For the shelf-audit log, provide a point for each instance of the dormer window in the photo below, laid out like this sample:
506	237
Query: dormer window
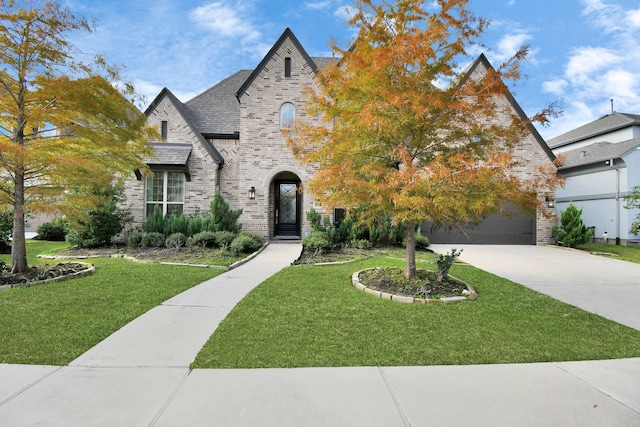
287	115
287	67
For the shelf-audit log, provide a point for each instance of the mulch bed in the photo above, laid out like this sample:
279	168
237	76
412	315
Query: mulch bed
41	272
423	285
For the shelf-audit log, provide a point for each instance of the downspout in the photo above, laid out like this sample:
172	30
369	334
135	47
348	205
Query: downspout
618	205
617	169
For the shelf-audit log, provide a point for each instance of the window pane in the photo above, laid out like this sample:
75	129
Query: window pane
287	115
155	186
150	207
175	187
174	209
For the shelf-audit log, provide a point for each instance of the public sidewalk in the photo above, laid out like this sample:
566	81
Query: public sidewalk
140	377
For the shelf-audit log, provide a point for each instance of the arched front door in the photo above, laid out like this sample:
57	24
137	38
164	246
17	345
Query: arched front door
287	208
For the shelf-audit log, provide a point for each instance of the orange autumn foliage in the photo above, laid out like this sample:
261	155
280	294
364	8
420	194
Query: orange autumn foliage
406	134
64	125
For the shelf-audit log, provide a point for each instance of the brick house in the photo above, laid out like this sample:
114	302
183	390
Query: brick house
230	137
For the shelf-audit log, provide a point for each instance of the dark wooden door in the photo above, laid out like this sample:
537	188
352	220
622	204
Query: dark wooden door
287	213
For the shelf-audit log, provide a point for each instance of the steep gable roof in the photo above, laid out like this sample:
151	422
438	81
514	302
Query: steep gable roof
482	60
180	108
288	34
606	124
597	152
217	110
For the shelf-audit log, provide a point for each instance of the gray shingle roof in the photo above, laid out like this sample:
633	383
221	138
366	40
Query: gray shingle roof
217	110
186	115
322	61
597	152
603	125
169	154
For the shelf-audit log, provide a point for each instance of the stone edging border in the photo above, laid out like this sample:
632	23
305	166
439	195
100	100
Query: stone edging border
90	270
355	280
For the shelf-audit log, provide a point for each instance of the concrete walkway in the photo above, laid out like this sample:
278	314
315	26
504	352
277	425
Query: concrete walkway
140	377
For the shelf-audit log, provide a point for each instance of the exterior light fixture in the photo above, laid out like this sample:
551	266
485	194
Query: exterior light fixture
252	193
551	203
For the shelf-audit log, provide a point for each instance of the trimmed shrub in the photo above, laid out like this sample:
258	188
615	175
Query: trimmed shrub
175	224
224	219
422	242
203	239
155	221
362	244
444	263
6	225
134	240
246	242
54	231
315	219
572	231
317	242
99	226
195	224
153	239
176	240
223	239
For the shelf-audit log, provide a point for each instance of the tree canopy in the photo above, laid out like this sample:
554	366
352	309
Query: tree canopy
64	123
406	132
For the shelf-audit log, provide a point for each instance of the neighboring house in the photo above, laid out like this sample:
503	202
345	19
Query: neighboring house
601	164
230	137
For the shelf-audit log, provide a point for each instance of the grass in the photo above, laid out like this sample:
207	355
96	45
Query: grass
311	316
55	323
626	253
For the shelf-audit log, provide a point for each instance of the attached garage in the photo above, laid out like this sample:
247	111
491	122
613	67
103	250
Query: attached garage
517	229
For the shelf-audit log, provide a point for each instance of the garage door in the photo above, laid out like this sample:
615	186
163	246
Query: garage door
517	229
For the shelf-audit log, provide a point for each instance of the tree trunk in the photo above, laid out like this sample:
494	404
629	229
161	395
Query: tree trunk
18	245
410	260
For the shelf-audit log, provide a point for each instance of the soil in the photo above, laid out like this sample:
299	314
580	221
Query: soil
423	285
41	272
186	255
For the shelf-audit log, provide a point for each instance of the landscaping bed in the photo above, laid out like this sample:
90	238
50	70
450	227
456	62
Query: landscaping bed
208	256
41	272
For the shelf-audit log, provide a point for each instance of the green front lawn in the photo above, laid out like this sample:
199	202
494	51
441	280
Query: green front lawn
55	323
626	253
311	316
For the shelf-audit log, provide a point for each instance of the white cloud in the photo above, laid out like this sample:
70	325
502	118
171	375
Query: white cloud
556	86
508	45
587	60
345	12
225	20
600	71
633	19
319	5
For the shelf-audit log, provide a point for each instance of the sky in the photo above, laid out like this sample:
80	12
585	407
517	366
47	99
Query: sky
583	53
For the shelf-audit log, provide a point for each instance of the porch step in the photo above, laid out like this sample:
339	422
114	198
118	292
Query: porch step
286	239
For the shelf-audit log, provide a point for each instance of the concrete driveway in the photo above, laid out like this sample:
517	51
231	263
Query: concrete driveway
601	285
